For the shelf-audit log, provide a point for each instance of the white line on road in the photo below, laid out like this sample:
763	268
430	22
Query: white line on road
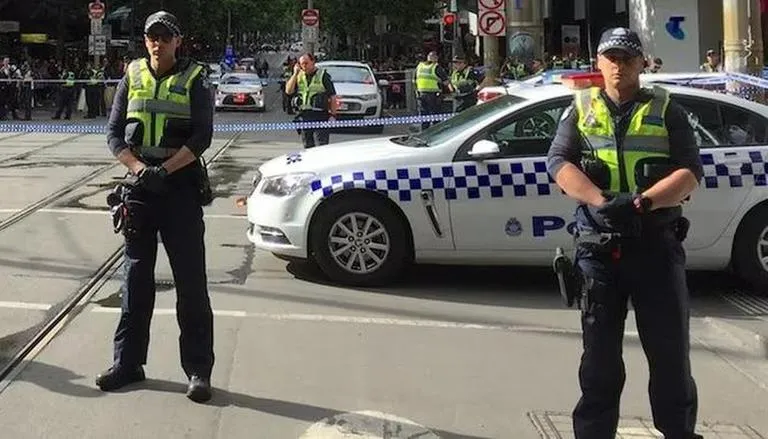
25	305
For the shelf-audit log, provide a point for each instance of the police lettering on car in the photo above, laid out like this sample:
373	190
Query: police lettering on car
161	122
629	157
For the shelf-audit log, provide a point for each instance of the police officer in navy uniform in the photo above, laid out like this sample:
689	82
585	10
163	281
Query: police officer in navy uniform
628	156
161	122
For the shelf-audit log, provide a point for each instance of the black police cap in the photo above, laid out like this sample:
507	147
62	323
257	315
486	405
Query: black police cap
620	38
165	19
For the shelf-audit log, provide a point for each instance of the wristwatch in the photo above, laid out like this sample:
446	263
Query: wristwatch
643	204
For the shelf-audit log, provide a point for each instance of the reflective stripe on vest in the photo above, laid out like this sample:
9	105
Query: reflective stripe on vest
308	91
646	136
153	103
460	77
426	78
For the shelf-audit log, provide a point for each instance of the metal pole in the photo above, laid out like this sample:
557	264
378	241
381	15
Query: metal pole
309	46
229	26
132	43
454	8
588	20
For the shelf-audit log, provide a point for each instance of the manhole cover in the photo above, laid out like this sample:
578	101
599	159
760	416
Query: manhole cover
560	426
367	424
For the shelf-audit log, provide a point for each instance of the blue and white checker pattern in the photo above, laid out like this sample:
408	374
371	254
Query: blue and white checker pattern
751	172
456	181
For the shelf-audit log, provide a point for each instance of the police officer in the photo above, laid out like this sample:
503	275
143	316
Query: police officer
464	81
95	78
430	80
629	157
67	94
317	97
161	122
713	64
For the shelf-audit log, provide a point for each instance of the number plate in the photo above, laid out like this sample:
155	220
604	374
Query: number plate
239	99
343	106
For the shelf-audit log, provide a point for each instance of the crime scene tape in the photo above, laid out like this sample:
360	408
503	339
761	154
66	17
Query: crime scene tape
100	128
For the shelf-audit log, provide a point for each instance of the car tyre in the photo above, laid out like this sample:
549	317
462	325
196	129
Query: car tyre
385	228
750	245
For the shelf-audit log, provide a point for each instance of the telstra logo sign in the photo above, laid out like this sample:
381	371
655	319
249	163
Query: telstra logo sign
675	28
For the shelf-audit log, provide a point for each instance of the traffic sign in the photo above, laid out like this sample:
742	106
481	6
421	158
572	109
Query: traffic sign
310	17
309	34
97	44
96	10
492	24
491	18
96	26
491	4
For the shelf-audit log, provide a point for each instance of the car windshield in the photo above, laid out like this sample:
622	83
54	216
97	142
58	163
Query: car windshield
452	127
241	79
353	74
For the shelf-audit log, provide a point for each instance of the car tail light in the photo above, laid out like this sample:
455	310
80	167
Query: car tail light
488	95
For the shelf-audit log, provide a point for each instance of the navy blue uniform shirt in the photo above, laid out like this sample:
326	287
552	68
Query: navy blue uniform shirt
200	103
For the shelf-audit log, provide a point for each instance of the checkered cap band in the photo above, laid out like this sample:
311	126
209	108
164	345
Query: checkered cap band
620	42
173	27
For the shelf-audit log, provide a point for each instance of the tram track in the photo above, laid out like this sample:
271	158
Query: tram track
24	154
71	306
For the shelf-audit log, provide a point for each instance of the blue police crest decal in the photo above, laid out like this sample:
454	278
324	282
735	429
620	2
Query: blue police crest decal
513	227
293	158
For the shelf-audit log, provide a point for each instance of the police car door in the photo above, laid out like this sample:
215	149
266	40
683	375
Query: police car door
508	201
732	147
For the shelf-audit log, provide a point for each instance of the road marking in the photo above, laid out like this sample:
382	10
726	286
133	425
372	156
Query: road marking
25	305
106	212
367	424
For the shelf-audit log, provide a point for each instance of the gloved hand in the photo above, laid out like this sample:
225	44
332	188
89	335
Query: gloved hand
152	178
619	208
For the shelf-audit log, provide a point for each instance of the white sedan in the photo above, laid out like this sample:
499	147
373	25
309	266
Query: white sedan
240	91
474	189
356	90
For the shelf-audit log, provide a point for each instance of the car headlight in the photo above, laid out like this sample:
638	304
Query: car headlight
256	179
287	184
370	97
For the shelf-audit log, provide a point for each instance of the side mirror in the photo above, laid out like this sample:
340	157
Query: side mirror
484	149
383	83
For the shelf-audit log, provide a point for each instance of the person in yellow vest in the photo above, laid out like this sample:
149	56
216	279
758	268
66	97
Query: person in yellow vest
316	99
713	64
161	123
465	82
629	157
67	93
430	80
92	92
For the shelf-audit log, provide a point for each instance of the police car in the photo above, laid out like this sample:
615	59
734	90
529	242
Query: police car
474	189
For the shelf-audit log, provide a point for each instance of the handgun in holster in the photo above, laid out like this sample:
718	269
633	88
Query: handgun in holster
204	184
569	278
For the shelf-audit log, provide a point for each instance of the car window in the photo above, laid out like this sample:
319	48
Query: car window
354	74
526	133
742	127
718	124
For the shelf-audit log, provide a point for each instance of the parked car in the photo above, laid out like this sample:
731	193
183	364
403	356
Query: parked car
240	91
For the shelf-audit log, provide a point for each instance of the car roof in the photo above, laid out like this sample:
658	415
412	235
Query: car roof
343	64
554	91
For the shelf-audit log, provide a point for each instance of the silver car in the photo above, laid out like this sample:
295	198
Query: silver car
356	89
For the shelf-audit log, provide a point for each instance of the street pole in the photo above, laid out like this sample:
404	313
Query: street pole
491	60
735	24
756	38
309	46
229	26
454	8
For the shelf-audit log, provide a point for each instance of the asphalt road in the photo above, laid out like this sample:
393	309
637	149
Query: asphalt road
452	352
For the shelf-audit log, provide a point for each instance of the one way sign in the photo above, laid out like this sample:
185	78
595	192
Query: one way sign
491	18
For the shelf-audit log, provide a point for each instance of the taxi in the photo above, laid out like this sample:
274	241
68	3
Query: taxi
474	189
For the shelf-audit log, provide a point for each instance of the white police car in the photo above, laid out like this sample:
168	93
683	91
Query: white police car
474	189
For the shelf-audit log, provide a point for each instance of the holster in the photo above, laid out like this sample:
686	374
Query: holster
681	227
204	184
569	278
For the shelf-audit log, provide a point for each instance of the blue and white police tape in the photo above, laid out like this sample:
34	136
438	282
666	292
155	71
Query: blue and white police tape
246	126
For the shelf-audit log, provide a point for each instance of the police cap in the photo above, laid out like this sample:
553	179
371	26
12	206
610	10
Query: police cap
163	19
620	38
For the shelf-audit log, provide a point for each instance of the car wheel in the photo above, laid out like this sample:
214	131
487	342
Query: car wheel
360	241
540	125
750	250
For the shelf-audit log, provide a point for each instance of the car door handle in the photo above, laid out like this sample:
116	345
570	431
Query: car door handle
732	159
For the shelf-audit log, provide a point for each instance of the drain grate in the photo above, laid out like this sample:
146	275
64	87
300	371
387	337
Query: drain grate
749	304
554	425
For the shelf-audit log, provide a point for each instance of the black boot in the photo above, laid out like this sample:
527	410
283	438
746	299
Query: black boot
116	377
199	389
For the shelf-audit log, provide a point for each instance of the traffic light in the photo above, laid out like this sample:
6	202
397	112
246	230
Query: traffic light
449	21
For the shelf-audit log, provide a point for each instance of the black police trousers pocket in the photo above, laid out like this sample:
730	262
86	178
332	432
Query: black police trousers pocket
137	217
599	302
